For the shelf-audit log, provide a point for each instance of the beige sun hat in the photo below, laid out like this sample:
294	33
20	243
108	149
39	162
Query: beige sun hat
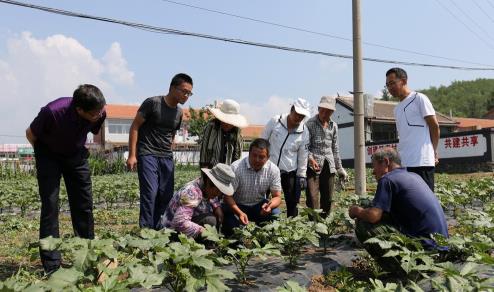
229	112
302	107
328	102
222	177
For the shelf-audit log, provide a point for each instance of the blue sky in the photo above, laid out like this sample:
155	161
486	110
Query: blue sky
44	56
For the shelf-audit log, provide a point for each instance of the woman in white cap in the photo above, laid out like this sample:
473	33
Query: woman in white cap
221	140
196	204
289	139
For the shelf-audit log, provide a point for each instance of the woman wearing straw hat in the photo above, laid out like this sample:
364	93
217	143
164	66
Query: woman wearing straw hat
195	204
221	140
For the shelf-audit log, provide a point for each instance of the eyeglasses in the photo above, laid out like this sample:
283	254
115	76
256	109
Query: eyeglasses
185	92
96	113
392	82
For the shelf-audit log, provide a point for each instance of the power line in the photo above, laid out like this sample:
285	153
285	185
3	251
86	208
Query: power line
319	33
471	19
490	4
464	24
481	9
162	30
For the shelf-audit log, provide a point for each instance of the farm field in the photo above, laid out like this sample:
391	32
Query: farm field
150	259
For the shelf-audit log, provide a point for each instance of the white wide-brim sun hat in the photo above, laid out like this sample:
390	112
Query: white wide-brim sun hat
222	177
229	112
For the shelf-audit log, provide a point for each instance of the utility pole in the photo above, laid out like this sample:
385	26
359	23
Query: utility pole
358	103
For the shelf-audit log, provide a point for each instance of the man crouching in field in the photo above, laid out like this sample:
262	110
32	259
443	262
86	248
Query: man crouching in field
58	135
255	175
403	203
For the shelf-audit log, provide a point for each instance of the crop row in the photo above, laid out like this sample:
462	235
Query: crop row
19	195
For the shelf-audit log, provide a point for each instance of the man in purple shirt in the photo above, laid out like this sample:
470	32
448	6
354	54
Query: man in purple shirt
58	135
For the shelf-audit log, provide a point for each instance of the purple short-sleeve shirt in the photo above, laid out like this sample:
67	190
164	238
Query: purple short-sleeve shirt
59	128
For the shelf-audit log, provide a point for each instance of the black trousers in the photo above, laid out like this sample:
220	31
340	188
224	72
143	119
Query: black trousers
76	174
291	189
426	173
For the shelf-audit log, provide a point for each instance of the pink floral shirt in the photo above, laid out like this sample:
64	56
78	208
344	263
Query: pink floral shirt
185	204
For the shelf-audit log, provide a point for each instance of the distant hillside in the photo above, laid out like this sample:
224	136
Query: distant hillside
471	99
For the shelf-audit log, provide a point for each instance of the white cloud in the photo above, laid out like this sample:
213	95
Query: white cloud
116	66
35	71
259	114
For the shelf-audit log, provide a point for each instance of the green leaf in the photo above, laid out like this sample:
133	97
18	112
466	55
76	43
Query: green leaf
32	288
382	243
392	253
146	276
321	228
83	259
192	283
49	243
210	233
64	278
215	284
468	268
147	233
222	273
414	287
141	244
452	284
203	263
291	286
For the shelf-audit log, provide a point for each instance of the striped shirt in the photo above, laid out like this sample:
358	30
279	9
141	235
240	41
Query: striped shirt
323	144
250	185
218	146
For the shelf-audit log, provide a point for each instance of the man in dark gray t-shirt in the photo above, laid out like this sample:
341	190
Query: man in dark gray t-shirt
150	148
162	122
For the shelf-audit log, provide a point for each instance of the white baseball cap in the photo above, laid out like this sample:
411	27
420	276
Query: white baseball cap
302	107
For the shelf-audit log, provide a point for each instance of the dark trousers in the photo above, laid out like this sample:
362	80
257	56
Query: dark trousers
205	219
291	190
156	180
76	174
320	189
231	221
426	173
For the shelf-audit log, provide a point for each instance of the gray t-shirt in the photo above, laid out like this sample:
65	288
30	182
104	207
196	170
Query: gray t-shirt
161	123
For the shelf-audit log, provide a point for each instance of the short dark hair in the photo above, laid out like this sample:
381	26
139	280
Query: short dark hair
387	152
260	143
181	78
88	97
399	73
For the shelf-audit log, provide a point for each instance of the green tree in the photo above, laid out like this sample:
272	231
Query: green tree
386	96
472	99
198	120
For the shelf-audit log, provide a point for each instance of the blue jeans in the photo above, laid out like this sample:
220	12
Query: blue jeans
156	181
231	221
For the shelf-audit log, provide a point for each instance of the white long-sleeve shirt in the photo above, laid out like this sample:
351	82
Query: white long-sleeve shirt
288	150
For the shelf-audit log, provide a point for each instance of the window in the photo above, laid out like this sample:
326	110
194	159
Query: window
119	126
383	132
